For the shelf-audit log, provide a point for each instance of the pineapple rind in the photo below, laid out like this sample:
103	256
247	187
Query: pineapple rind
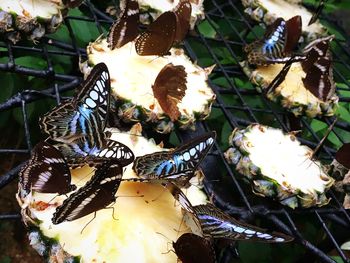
131	83
304	104
139	219
261	11
262	184
18	20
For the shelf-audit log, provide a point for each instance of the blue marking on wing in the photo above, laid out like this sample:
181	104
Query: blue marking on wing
168	165
85	114
73	123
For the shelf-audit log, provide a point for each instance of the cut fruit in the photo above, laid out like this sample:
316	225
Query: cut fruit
268	11
132	77
151	9
291	93
277	166
147	219
31	18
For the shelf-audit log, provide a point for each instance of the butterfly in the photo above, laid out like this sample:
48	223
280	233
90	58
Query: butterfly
73	3
277	44
96	194
169	88
210	222
77	125
217	224
180	162
169	28
125	29
46	172
318	68
191	248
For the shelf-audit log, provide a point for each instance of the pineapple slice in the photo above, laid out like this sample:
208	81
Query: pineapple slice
277	166
146	219
151	9
32	18
291	93
268	11
132	77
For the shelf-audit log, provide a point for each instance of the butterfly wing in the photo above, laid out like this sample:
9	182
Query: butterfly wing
319	70
182	162
191	248
86	114
183	16
125	29
111	150
343	156
217	224
159	36
97	194
46	172
277	43
169	88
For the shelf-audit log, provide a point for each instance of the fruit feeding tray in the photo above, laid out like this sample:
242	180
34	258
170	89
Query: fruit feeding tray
36	76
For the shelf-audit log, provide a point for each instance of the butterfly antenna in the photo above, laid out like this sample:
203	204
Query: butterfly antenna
81	232
320	144
53	198
317	12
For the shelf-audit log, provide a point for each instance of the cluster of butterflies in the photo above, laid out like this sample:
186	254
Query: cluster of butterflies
168	29
278	45
76	137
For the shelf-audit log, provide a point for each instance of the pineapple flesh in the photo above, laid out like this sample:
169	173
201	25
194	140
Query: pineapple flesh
291	93
151	9
32	18
268	11
147	219
277	166
132	77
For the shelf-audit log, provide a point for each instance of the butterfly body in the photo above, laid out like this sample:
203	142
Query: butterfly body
181	162
96	194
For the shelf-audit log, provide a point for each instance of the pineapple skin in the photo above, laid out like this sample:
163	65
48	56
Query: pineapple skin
341	174
265	186
311	110
258	12
15	26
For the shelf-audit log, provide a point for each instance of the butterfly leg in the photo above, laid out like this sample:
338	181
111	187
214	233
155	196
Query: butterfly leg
81	232
112	207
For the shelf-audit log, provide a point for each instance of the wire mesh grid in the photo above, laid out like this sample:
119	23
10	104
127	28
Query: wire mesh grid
233	104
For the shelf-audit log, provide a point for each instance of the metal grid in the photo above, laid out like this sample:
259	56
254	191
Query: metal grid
233	103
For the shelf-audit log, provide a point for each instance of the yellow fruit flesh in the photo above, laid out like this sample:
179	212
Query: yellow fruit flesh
132	77
32	8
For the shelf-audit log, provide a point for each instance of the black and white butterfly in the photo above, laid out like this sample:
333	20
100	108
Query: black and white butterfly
77	125
125	29
343	155
319	69
210	222
96	194
277	44
46	172
180	162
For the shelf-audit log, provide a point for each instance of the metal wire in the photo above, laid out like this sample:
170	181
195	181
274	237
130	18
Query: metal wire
233	196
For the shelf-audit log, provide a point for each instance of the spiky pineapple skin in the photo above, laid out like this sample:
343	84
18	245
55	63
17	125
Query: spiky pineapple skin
131	112
260	13
341	175
263	185
311	110
15	26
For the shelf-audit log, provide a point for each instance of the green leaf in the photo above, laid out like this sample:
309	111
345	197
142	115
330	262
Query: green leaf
207	29
5	259
343	113
254	252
